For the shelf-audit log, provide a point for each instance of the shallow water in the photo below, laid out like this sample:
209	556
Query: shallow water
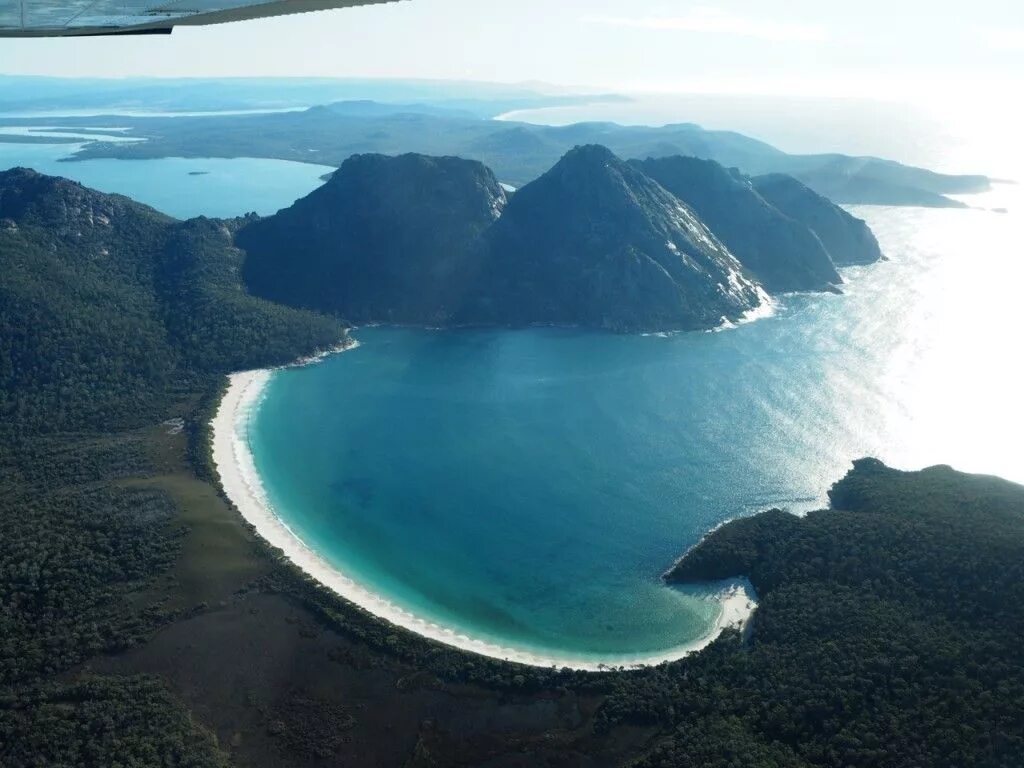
528	487
225	188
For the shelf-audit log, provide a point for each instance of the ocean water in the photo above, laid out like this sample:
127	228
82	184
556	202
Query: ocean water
226	188
528	487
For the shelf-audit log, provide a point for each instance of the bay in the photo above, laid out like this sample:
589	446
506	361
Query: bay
528	487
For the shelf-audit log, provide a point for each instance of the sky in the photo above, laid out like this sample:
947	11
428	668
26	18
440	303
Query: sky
887	48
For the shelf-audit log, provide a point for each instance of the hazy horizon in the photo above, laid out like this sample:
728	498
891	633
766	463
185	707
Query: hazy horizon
640	46
807	79
912	81
950	137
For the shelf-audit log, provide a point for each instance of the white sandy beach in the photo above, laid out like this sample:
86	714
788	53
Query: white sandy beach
241	483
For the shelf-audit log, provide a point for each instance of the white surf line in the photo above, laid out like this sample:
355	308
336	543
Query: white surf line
241	482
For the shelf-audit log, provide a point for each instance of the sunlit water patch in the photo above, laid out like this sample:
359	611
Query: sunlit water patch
528	487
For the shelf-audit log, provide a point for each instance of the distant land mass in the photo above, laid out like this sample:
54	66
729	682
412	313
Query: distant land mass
28	94
517	152
13	138
594	242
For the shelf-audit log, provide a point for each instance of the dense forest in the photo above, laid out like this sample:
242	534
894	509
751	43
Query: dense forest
113	318
142	624
888	632
110	308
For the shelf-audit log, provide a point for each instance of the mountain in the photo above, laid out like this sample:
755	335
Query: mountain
386	239
434	241
110	308
784	254
595	242
848	239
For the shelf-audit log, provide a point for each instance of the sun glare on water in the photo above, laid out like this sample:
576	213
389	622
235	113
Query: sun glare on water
955	376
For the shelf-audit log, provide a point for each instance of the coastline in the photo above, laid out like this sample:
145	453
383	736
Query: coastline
240	481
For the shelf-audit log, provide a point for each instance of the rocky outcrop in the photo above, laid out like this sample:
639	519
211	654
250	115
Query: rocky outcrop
784	254
848	239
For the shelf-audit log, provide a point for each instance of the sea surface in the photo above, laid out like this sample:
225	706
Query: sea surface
528	487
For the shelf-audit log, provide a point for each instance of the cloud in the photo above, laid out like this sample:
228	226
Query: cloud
711	21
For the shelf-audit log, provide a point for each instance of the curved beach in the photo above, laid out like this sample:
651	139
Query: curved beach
241	482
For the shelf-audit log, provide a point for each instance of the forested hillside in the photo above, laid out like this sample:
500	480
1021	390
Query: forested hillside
110	308
434	241
888	633
114	317
386	240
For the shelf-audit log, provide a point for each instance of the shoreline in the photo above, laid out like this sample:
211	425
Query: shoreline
240	481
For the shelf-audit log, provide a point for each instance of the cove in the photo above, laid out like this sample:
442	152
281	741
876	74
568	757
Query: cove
527	487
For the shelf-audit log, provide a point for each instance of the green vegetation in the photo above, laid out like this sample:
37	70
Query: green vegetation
78	550
103	722
888	634
114	317
111	310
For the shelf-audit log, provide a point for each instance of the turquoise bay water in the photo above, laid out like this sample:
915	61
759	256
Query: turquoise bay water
528	487
226	188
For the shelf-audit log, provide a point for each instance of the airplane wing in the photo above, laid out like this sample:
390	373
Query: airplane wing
59	18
